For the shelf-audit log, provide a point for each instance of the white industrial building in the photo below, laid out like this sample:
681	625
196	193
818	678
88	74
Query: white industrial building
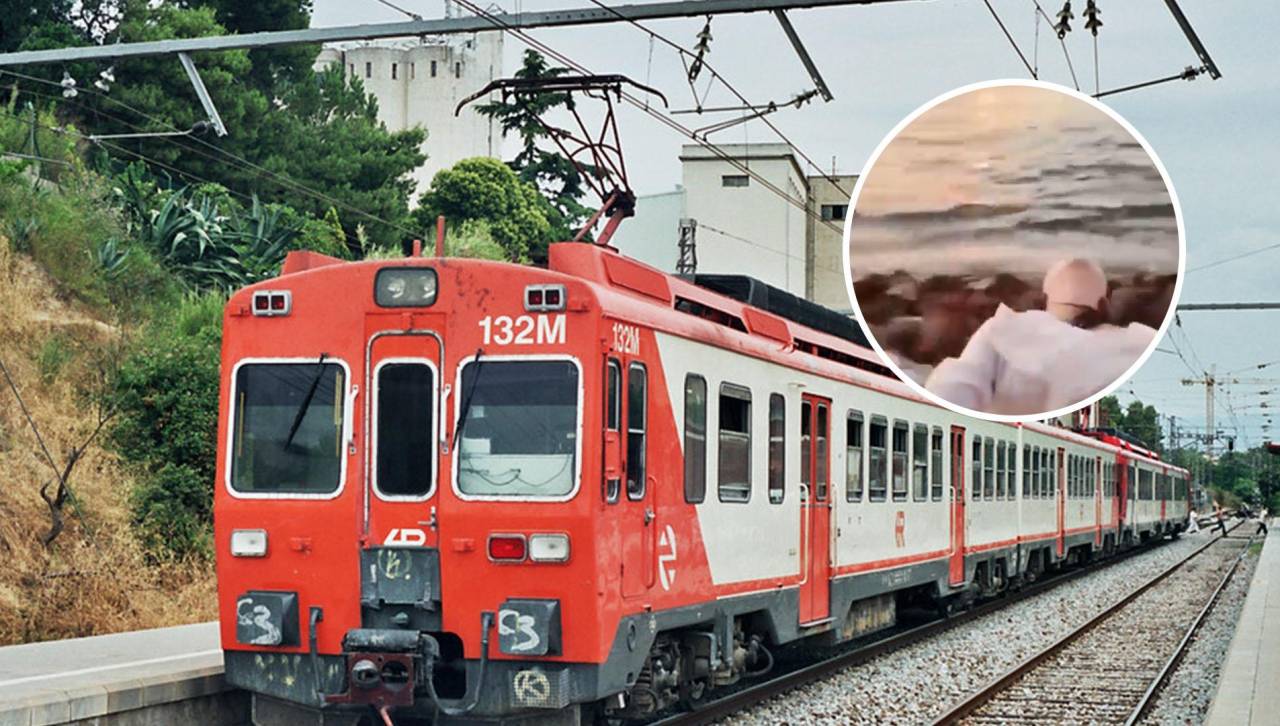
745	227
420	82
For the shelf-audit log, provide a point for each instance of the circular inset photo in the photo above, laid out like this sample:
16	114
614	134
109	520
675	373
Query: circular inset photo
1014	250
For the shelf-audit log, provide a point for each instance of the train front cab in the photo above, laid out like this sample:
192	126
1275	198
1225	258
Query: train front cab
369	555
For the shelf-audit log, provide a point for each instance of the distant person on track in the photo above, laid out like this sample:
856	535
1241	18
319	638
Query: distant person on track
1221	524
1262	523
1043	360
1193	523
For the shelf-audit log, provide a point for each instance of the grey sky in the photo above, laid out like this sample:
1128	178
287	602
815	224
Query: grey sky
1218	139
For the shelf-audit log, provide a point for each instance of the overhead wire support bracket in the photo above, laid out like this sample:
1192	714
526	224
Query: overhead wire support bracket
801	51
1193	39
203	94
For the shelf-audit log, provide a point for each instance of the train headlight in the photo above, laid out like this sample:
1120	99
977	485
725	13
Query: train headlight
249	543
402	287
549	547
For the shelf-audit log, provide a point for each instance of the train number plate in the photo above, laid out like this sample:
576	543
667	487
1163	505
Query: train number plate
523	330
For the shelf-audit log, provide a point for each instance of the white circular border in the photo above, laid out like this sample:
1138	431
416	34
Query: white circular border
1177	214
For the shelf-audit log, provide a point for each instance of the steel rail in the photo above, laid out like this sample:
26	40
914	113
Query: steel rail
1157	685
976	700
731	703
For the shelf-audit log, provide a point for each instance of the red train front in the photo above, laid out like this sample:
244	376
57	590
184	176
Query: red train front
374	552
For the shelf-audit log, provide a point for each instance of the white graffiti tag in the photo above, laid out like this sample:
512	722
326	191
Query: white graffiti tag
667	558
511	622
260	616
531	687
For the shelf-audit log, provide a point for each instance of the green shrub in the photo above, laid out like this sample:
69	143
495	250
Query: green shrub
54	355
166	392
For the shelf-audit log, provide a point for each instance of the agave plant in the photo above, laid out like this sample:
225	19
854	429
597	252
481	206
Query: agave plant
111	258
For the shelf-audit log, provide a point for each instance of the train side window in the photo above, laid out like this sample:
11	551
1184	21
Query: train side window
878	473
777	447
404	462
695	438
975	482
1000	471
1026	471
274	400
900	438
613	388
853	457
988	469
936	457
920	463
637	401
822	449
1011	470
733	466
1052	493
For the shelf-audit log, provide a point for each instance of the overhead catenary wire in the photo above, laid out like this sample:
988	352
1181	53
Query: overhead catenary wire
1061	41
1030	69
662	118
244	163
685	52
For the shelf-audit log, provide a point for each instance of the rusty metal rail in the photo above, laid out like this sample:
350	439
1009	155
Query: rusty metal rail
995	688
738	700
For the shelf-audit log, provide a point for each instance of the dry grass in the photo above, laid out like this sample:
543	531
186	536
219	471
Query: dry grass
94	579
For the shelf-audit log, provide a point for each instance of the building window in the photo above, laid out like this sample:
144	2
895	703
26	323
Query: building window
878	475
777	447
920	463
457	70
413	71
368	70
695	438
935	465
433	69
395	67
834	212
734	462
637	400
853	457
734	180
900	437
351	70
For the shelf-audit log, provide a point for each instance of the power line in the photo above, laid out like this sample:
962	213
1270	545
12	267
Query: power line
1233	258
1012	42
1061	41
644	107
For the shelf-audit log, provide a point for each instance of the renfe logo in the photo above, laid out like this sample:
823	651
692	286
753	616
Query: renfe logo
406	538
667	557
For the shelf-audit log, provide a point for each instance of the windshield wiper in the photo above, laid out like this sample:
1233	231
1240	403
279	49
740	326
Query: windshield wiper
306	402
466	402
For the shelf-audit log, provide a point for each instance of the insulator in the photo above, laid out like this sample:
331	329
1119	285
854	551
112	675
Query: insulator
1092	21
68	86
1063	26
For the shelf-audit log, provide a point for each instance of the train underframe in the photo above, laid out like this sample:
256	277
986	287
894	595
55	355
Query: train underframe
657	661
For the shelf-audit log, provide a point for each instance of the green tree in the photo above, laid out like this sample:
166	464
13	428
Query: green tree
21	20
1138	420
548	171
486	190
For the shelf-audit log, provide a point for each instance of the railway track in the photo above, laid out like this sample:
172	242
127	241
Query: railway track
727	705
1111	669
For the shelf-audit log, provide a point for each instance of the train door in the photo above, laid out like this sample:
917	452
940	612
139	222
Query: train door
957	505
1062	501
815	508
628	464
403	411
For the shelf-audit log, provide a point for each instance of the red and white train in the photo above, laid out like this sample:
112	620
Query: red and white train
481	491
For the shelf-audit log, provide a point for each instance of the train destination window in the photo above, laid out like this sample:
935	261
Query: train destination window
920	463
734	463
288	428
824	460
878	472
935	465
899	460
695	438
988	469
975	483
518	428
853	457
777	447
405	462
637	414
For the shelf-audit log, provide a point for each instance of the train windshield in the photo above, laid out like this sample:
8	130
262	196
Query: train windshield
519	424
287	428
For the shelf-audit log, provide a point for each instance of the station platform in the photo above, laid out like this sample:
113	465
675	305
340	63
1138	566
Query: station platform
1249	684
162	676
